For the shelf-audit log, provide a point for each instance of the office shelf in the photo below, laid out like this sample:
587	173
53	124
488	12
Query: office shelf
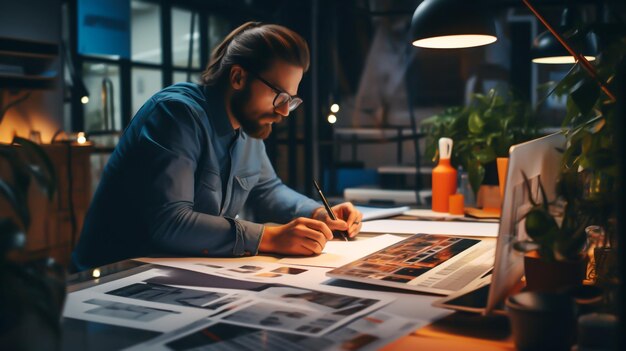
25	64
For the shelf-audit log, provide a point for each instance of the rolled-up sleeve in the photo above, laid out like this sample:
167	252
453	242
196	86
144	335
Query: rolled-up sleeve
171	143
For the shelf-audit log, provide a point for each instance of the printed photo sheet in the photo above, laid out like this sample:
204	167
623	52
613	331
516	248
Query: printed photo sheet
168	299
369	332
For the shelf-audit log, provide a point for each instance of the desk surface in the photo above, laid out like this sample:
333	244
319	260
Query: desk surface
457	331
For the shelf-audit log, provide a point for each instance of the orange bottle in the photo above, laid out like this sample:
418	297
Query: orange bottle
444	177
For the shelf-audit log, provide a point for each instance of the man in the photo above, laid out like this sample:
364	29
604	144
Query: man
193	155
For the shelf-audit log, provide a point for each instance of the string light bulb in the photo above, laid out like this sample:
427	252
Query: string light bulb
81	139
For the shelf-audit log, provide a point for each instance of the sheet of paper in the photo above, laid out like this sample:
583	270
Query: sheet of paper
165	299
104	303
370	213
425	214
339	253
480	229
407	312
370	332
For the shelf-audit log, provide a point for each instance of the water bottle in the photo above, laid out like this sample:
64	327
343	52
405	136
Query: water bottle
443	178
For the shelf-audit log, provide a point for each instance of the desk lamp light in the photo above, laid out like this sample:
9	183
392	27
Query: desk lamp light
546	48
449	24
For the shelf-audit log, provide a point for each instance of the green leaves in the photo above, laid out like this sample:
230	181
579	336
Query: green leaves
540	225
482	131
585	95
476	174
485	155
475	123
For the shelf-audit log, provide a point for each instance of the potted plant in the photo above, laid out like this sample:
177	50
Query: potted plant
590	169
31	293
482	131
555	256
589	175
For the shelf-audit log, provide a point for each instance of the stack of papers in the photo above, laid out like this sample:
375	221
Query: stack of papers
370	213
482	229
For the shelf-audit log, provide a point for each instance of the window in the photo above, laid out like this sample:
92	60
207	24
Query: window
145	82
145	20
219	27
103	83
183	38
181	76
161	38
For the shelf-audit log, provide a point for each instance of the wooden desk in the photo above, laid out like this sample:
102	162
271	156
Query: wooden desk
459	331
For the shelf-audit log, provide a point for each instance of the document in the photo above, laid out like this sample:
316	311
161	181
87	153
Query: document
480	229
166	299
339	253
471	215
370	213
369	332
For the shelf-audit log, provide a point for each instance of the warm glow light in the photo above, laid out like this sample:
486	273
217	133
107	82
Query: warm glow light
84	99
455	41
95	273
555	60
334	108
332	119
81	139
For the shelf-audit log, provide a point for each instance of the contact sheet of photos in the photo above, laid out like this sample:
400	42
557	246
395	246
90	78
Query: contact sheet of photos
369	332
170	300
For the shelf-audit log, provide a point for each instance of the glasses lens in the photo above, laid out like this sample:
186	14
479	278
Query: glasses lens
281	99
294	103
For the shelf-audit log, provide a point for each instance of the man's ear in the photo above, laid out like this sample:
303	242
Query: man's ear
238	77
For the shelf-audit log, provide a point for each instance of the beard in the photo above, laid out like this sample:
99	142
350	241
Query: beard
251	125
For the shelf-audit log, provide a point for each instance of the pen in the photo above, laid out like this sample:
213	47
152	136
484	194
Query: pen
328	209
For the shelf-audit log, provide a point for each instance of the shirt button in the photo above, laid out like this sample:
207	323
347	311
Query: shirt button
205	252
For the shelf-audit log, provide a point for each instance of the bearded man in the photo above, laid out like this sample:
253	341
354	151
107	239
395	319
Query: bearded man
193	156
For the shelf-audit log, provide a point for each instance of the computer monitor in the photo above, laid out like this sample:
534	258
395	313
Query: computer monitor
538	159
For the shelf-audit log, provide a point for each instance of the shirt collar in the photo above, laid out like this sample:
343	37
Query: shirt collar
217	111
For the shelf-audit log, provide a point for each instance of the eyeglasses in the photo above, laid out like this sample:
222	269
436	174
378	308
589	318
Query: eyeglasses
281	97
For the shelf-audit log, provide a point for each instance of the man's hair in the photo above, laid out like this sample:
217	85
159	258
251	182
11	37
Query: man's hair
256	46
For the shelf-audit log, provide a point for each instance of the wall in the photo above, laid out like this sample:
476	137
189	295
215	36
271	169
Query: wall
43	110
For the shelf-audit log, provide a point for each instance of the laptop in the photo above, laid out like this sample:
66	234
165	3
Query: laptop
447	264
539	159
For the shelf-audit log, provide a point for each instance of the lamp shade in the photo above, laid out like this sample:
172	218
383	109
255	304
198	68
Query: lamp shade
546	49
451	24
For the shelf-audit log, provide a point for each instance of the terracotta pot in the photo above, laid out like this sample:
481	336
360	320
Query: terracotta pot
552	276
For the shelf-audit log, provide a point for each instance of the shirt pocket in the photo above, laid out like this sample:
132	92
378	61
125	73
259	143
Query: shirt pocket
241	189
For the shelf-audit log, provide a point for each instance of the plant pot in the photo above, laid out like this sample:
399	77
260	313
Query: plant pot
552	276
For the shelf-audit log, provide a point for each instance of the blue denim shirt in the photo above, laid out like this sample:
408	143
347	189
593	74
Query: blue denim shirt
162	190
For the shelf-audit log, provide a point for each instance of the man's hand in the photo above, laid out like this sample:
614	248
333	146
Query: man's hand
348	218
302	236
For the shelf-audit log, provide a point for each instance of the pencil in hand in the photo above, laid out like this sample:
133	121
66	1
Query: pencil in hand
329	210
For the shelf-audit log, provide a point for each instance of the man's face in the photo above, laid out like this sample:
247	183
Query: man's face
252	105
